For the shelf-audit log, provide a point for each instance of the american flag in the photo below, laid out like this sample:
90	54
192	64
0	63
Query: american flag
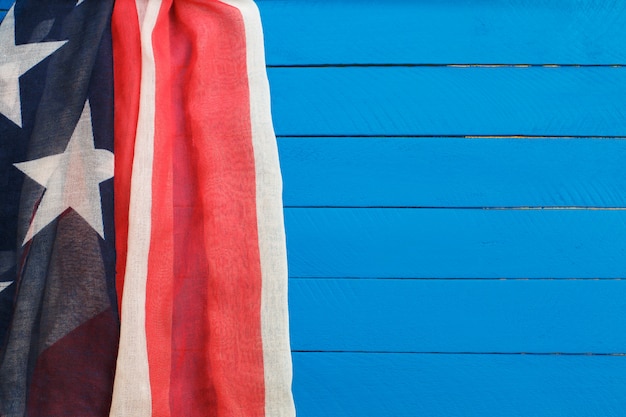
59	323
150	281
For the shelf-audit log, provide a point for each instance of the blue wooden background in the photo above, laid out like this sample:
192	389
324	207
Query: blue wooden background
455	193
455	197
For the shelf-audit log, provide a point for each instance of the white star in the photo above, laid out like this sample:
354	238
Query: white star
16	60
5	285
71	179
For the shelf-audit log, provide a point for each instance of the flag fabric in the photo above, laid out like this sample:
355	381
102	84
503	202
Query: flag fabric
59	330
202	264
188	315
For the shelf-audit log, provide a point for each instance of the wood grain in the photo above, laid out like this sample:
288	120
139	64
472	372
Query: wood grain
456	243
400	385
453	172
449	101
444	31
479	316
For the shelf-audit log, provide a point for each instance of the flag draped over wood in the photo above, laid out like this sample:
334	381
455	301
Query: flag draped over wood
201	282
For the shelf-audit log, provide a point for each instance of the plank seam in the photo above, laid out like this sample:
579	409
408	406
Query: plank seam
433	136
495	208
379	352
439	65
451	279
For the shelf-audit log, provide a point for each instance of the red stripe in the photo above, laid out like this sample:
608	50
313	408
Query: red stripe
191	270
127	77
203	118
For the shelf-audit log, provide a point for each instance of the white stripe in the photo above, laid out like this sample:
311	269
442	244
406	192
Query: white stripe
131	392
274	316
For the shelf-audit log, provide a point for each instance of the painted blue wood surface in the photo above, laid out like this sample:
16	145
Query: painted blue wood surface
400	385
453	172
437	101
530	316
444	31
440	105
456	243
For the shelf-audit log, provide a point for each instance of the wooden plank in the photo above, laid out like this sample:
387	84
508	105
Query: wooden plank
407	101
396	385
453	172
529	316
446	31
456	243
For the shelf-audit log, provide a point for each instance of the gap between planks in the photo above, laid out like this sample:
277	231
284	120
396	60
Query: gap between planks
434	65
521	208
453	279
414	136
465	353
